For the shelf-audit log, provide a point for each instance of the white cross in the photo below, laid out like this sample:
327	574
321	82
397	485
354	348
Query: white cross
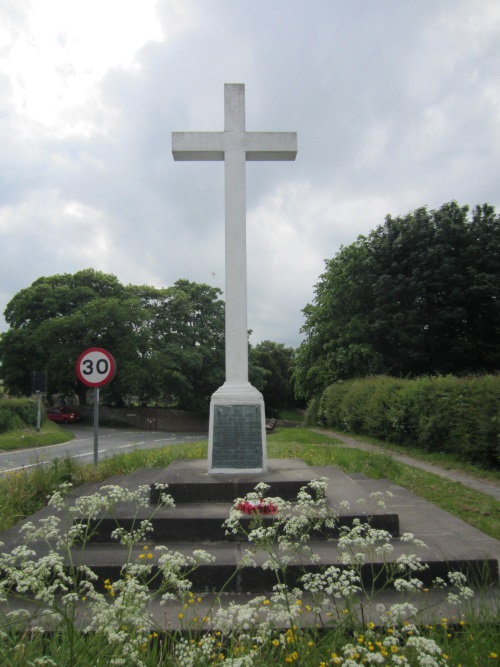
235	146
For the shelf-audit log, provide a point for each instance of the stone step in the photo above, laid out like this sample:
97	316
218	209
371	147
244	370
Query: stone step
107	561
201	614
193	522
188	481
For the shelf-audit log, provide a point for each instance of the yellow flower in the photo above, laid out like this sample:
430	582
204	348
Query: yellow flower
181	616
275	642
493	655
150	555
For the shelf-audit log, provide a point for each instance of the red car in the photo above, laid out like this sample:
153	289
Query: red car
63	416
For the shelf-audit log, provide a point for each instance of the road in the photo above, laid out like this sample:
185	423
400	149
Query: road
111	441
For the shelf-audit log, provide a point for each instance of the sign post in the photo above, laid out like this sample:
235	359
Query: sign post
95	368
38	383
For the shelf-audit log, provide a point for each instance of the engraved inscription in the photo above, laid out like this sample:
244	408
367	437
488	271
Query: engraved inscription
237	437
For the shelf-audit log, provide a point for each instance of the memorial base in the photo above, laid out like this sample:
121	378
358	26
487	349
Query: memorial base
237	431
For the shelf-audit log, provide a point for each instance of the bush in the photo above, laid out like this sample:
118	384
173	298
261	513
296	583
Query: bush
445	413
17	413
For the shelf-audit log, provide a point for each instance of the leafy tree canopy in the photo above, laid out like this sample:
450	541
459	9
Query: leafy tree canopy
420	294
168	343
277	361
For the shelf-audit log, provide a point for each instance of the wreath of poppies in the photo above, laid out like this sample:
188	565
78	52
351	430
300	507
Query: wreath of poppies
260	507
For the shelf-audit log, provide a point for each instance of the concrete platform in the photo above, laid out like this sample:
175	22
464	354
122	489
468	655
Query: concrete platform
451	543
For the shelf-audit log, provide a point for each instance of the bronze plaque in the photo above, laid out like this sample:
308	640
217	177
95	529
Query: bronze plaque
237	437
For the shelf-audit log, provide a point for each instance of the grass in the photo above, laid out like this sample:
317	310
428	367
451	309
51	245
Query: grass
23	438
441	459
26	491
292	415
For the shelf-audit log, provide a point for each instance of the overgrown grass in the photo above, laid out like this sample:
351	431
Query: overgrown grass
23	438
24	492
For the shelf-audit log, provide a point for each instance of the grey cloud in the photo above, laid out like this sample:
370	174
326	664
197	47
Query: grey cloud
395	105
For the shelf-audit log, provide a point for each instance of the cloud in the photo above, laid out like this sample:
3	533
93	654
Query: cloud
396	106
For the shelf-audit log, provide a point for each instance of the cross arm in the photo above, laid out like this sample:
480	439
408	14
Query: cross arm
271	146
198	145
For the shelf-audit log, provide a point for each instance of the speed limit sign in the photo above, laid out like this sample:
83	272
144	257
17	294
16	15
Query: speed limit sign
95	367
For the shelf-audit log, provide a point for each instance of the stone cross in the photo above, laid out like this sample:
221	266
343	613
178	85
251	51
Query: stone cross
235	146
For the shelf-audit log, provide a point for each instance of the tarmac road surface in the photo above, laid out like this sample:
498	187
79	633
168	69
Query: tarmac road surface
111	441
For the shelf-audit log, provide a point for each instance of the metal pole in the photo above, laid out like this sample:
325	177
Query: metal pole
38	414
96	425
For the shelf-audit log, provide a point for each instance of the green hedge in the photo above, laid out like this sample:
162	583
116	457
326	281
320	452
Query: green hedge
445	414
17	413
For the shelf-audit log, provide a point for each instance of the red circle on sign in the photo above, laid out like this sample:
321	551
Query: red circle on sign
95	367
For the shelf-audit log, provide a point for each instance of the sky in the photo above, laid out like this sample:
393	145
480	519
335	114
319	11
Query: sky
396	105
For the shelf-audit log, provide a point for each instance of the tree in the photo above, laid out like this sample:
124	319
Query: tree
187	340
276	360
166	342
420	294
49	329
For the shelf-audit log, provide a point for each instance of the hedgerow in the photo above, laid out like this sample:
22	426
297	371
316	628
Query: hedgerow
437	414
17	413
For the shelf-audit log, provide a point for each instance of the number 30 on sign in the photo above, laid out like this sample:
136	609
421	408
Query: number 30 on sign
95	367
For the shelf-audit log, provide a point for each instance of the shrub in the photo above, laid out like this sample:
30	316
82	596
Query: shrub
17	413
444	413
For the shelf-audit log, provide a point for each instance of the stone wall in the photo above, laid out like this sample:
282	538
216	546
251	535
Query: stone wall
154	419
